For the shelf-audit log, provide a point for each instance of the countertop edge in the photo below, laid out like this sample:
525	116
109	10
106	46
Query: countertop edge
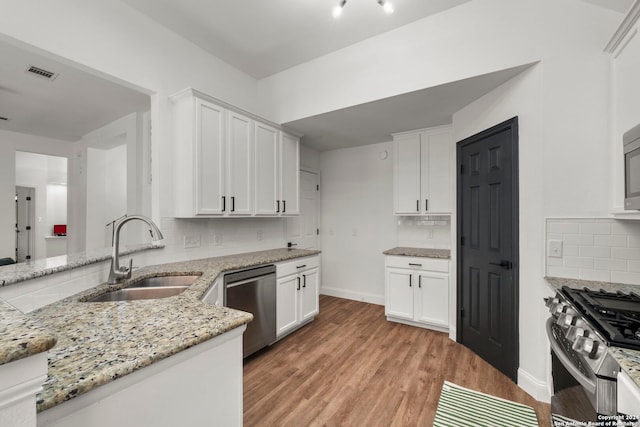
21	272
419	252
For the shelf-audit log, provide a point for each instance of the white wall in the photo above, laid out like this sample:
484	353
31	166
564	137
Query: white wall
564	158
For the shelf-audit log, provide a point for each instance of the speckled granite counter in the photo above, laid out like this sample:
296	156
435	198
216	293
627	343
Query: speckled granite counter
100	342
21	336
419	252
629	360
20	272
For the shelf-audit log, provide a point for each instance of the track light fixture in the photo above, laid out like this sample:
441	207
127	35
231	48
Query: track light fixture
386	6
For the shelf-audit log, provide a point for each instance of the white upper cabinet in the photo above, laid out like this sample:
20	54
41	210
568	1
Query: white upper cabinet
239	176
277	180
231	164
267	181
290	174
422	172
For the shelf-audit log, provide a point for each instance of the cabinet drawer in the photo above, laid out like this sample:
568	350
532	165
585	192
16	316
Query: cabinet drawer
418	263
297	265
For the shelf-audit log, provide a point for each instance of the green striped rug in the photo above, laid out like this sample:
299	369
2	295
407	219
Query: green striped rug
460	407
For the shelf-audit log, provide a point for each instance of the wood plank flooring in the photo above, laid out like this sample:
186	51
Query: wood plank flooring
351	367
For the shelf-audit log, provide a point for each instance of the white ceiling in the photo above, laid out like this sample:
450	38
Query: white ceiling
260	38
72	105
263	37
375	121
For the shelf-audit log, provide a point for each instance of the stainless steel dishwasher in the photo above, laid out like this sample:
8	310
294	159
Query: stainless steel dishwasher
254	291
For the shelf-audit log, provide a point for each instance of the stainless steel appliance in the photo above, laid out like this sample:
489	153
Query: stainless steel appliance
583	323
631	144
254	291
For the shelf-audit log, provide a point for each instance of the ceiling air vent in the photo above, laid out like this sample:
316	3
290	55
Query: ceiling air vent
44	74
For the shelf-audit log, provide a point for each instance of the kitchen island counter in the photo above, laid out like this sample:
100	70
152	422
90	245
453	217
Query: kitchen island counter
98	342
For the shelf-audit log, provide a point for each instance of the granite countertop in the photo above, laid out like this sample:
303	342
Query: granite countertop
21	336
419	252
100	342
15	273
629	360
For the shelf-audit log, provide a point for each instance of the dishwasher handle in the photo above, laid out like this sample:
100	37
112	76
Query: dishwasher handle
244	282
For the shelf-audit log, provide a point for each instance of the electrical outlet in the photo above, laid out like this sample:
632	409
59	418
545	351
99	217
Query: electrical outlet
259	234
192	241
555	249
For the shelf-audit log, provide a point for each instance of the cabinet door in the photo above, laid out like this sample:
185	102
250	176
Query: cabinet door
436	173
432	298
266	167
210	155
406	173
399	293
287	304
290	174
309	295
240	167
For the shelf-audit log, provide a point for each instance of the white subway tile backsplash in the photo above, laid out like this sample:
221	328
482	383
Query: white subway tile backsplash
595	228
564	228
579	262
570	273
633	241
611	241
625	253
599	275
595	251
610	264
578	239
634	266
625	277
571	250
600	249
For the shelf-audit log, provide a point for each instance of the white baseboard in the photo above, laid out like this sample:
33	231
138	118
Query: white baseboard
539	390
355	296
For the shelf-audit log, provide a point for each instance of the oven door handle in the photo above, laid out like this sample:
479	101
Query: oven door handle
568	364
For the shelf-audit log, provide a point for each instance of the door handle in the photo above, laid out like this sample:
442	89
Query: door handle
304	280
298	283
284	206
233	204
224	203
278	206
410	280
507	265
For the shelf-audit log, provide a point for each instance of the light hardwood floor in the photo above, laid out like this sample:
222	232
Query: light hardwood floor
351	367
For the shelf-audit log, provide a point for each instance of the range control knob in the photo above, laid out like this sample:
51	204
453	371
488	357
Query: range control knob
549	302
594	353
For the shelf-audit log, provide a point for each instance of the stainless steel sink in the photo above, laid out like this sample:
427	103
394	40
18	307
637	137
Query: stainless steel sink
149	288
162	281
128	294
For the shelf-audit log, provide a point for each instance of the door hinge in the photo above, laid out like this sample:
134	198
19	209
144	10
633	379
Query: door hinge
461	312
461	240
317	231
461	169
317	187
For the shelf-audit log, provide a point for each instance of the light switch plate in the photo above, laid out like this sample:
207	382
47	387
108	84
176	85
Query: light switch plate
554	249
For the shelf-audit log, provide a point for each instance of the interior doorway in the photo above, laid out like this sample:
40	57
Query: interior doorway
488	245
25	223
302	230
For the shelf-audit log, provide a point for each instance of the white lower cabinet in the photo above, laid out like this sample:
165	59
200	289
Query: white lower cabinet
297	293
417	291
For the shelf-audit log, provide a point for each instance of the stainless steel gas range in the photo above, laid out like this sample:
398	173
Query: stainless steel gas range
583	323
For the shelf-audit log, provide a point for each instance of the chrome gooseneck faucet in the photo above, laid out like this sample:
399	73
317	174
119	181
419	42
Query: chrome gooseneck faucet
117	273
